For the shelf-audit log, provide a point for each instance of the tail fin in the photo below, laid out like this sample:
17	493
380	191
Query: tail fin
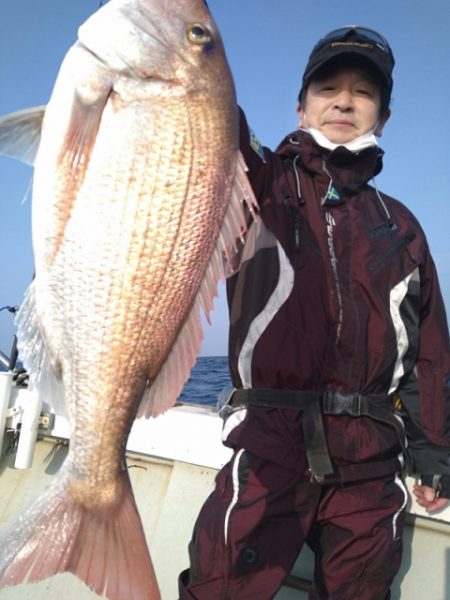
106	549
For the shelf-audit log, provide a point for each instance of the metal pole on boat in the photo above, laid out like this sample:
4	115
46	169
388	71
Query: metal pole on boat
5	393
6	379
28	431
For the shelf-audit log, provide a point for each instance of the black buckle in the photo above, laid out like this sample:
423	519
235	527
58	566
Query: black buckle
342	403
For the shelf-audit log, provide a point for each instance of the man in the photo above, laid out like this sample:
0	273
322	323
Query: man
338	344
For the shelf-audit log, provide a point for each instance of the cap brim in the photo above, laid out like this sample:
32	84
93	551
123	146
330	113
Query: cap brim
339	53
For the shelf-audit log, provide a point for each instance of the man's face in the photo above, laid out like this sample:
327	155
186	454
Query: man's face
343	105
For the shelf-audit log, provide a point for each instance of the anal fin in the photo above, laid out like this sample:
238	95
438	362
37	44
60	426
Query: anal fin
35	357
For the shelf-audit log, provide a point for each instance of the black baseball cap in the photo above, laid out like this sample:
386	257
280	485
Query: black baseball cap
352	40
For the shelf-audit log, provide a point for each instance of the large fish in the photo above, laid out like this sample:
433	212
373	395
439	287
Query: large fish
137	194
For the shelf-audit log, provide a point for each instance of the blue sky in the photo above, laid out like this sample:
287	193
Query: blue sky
267	44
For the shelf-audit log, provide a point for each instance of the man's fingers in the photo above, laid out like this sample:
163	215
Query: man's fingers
426	497
438	504
424	493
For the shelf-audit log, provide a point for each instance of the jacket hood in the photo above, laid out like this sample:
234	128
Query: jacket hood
349	171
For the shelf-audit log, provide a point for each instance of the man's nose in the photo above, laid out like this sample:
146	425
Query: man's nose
344	100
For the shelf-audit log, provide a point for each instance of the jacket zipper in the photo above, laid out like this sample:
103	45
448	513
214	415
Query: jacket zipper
310	241
400	245
300	233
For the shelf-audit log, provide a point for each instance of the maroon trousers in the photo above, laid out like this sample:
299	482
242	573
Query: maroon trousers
253	526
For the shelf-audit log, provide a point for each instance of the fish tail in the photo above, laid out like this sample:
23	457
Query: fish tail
104	548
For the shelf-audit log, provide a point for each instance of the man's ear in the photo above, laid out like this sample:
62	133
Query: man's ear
301	114
381	123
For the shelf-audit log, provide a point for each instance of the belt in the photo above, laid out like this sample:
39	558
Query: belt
315	404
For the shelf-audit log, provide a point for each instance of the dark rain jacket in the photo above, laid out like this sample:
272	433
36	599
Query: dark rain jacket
337	290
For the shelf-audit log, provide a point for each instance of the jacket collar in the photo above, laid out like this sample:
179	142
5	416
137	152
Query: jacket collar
349	171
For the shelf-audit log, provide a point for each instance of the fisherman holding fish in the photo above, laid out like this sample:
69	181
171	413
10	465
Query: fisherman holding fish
339	353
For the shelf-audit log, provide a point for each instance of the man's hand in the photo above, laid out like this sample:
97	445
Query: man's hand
426	497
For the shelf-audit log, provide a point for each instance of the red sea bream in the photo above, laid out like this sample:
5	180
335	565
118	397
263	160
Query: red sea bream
137	195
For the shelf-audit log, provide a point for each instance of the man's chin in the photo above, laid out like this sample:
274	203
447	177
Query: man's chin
340	137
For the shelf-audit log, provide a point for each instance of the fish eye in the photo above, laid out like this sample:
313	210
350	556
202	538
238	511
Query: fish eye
198	34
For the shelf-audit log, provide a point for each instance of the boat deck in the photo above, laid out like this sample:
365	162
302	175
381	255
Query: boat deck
173	461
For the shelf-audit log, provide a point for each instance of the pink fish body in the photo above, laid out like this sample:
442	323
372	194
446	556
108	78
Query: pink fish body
137	194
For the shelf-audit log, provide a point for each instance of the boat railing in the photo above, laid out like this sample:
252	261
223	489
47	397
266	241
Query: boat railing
20	408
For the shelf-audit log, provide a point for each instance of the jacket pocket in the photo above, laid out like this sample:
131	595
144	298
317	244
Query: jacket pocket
394	250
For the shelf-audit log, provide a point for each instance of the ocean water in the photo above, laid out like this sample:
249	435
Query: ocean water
208	378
